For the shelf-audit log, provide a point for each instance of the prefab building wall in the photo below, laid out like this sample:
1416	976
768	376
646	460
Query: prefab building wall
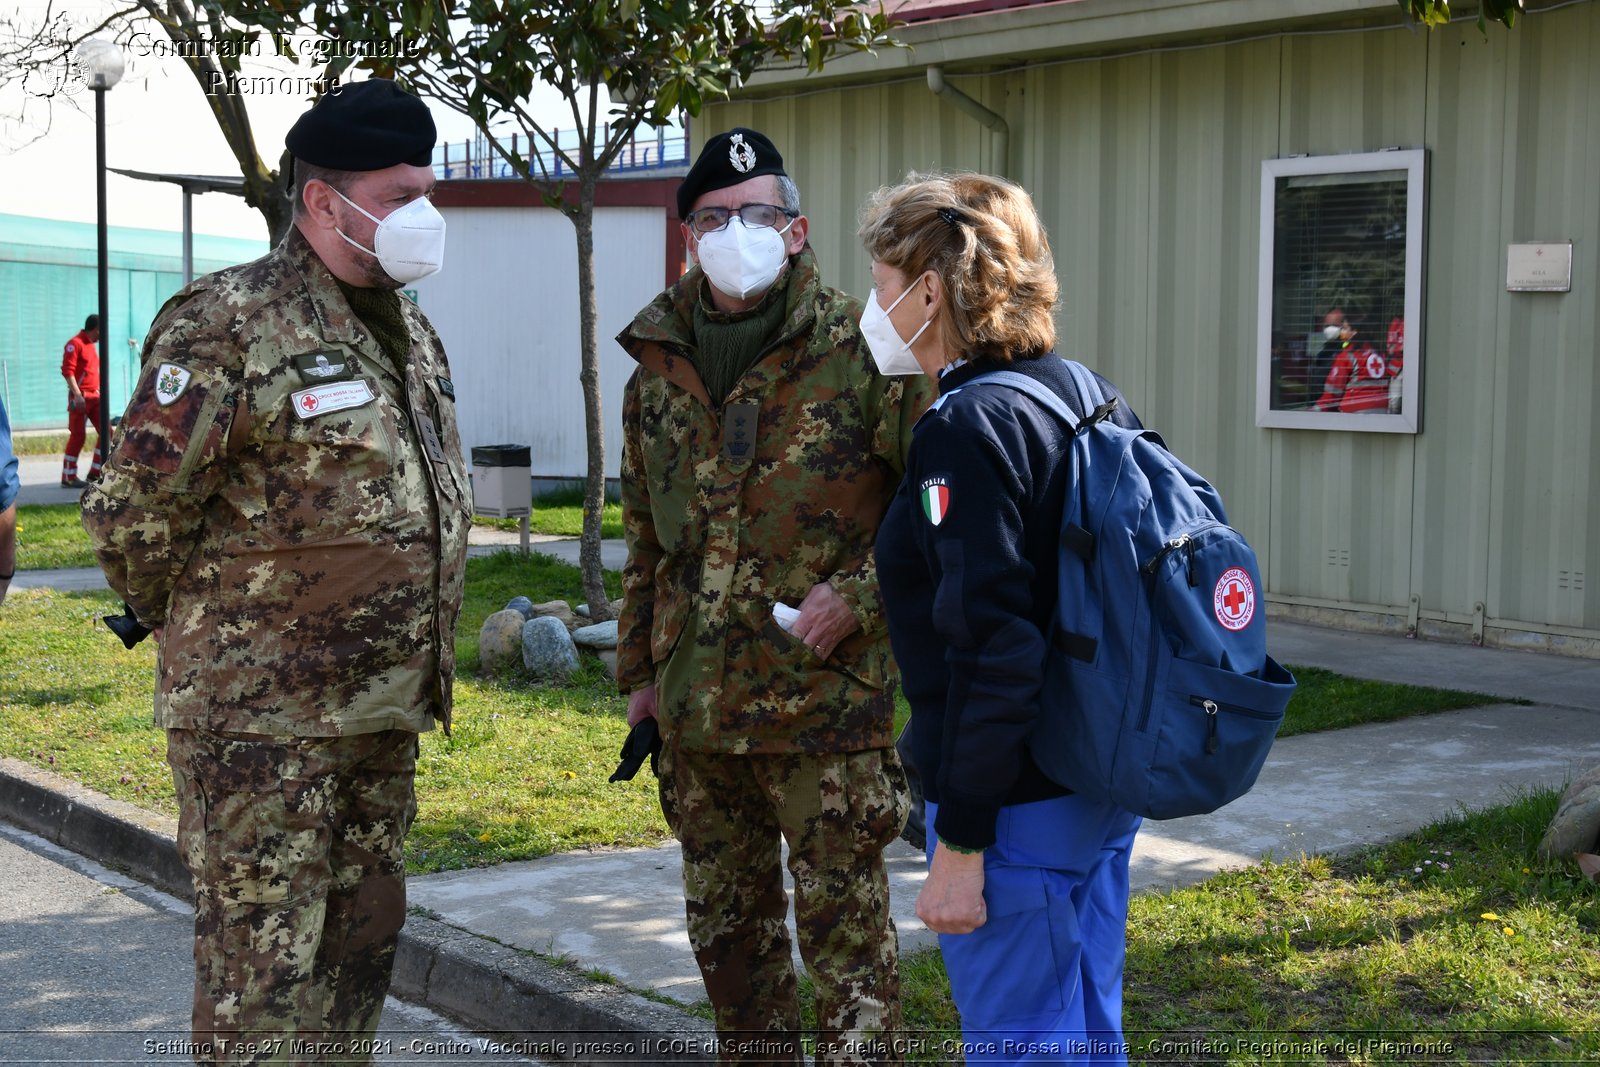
1147	169
506	307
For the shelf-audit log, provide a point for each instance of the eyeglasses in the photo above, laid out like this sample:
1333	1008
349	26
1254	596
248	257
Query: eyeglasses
711	219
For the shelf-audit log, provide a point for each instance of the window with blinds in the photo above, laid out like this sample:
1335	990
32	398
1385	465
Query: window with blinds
1341	274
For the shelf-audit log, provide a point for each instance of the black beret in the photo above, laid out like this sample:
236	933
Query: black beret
366	125
728	159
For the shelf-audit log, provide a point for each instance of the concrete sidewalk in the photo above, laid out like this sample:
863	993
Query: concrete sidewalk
41	478
469	947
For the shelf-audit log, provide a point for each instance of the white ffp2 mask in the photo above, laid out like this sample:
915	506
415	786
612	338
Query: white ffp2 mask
741	260
892	355
409	241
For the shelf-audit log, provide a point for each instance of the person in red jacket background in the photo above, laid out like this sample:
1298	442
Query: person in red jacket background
80	366
1359	380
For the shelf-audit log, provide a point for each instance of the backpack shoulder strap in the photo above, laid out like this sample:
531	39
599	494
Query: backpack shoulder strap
1046	396
1089	391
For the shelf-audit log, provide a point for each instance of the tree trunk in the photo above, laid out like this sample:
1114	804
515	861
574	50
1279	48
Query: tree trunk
594	486
268	193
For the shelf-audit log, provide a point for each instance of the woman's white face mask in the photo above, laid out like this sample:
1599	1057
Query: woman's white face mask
409	241
743	261
892	355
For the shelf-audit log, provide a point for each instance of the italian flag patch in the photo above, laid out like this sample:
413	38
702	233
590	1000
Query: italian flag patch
935	499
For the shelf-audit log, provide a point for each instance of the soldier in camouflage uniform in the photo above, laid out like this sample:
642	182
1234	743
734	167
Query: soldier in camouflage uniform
287	508
760	451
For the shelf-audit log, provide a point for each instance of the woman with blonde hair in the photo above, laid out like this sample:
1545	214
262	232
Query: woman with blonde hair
1027	883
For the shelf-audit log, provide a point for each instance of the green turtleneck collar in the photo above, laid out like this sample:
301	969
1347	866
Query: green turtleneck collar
379	311
727	345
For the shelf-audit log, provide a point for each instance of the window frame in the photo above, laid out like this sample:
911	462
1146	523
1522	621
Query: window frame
1413	162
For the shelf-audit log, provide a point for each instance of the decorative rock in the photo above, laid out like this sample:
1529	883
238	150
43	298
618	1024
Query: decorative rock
608	656
1576	827
547	648
522	604
582	609
500	640
600	635
557	609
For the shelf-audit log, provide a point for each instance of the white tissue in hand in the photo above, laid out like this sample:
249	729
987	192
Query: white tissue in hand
785	616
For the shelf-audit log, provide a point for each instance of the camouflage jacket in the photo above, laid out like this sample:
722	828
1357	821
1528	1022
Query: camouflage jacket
728	511
290	507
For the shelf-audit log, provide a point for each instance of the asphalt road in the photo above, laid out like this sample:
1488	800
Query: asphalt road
97	969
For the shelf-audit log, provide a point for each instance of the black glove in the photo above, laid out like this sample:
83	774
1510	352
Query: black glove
126	627
643	740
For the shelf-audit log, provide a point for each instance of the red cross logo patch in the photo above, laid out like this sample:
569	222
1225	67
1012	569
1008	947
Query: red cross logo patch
1234	599
308	402
1375	365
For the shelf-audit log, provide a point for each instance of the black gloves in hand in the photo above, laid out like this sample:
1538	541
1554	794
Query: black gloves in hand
643	740
126	627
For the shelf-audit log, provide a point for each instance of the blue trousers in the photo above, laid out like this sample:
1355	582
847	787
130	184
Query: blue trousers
1041	981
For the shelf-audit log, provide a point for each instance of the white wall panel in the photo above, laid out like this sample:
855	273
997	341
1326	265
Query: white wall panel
506	305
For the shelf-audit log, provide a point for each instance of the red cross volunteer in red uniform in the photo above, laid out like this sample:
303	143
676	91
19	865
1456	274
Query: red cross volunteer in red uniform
80	366
1359	380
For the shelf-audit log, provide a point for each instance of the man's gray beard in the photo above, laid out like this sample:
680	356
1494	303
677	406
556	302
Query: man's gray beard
374	275
381	279
372	272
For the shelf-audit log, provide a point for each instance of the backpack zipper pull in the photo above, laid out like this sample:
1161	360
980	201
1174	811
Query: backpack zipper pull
1166	550
1188	552
1213	742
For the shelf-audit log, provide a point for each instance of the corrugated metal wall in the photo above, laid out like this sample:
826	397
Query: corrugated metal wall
506	306
1146	169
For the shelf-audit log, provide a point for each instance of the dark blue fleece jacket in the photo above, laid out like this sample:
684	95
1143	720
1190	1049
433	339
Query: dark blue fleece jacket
967	563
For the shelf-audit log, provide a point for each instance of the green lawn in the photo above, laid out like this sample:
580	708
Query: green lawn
1324	700
1457	940
47	444
50	536
1458	933
561	513
523	774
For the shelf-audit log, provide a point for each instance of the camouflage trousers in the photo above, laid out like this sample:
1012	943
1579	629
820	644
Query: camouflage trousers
295	848
836	811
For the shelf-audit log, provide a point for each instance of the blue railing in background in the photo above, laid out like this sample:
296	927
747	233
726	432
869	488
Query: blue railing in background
648	150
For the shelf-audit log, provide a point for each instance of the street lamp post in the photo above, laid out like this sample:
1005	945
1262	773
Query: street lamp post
101	63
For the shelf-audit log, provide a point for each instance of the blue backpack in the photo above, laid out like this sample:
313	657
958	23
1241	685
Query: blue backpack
1158	691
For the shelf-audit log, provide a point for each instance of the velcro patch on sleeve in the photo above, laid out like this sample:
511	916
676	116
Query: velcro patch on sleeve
171	382
335	396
